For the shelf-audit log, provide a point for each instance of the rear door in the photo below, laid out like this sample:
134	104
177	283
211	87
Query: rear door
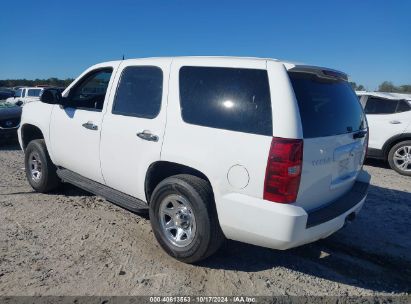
134	124
334	132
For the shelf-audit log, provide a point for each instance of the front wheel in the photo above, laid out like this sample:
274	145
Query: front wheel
184	218
399	158
40	170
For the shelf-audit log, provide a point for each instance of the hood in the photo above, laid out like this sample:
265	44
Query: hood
8	110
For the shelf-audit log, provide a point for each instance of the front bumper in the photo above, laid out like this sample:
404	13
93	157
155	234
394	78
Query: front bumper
281	226
8	133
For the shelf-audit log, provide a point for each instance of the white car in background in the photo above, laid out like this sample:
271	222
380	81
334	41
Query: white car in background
389	121
25	95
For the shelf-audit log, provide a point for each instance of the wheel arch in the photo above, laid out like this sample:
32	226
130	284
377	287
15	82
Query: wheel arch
160	170
30	132
393	141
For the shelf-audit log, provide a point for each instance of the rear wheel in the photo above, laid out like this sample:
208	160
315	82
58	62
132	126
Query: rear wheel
399	158
184	218
40	170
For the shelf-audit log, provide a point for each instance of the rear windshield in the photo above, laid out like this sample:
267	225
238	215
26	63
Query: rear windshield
327	107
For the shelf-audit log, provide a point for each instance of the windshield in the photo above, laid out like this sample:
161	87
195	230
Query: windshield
327	106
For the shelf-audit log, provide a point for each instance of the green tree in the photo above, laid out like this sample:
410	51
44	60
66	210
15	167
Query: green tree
357	87
353	85
406	88
387	86
25	82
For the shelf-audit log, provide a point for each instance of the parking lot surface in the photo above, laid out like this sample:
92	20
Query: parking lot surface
73	243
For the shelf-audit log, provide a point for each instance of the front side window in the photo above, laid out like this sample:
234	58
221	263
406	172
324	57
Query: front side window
377	105
90	92
18	93
139	92
226	98
34	92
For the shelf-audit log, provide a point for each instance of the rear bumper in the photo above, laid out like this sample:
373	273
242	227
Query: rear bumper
280	226
375	153
340	206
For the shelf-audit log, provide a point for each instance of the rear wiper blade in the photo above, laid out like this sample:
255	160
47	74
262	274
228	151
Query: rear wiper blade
359	134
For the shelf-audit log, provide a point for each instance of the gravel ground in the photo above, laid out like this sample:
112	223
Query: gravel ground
73	243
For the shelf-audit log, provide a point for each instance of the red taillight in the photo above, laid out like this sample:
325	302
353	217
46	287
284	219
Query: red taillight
283	173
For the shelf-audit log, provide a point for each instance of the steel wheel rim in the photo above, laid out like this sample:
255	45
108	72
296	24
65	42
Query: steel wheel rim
402	158
177	220
35	166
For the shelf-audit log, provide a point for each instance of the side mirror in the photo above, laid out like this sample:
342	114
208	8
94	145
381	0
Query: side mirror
51	96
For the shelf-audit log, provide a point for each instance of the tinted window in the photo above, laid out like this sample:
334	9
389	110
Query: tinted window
380	106
139	92
34	92
403	106
226	98
327	107
90	92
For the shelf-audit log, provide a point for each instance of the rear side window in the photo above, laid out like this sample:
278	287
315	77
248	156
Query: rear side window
139	92
380	106
403	106
226	98
327	107
34	92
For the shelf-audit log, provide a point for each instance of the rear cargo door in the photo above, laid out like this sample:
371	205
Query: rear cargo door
335	134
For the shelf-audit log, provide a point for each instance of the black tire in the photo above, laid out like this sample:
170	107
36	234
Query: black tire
395	148
48	179
208	236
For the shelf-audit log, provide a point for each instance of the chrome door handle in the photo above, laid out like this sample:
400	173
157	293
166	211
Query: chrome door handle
90	125
395	122
146	135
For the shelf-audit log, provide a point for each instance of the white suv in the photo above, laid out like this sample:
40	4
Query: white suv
389	120
254	150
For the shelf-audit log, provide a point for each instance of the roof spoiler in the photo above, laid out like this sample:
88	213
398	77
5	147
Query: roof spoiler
320	72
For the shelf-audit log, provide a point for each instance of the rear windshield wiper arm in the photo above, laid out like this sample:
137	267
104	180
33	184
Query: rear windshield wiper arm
359	134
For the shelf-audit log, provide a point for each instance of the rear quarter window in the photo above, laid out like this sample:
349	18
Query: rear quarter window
233	99
327	107
403	106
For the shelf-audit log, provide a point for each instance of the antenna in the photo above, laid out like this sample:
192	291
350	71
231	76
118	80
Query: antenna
123	57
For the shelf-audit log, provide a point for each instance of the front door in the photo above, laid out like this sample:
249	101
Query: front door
75	129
